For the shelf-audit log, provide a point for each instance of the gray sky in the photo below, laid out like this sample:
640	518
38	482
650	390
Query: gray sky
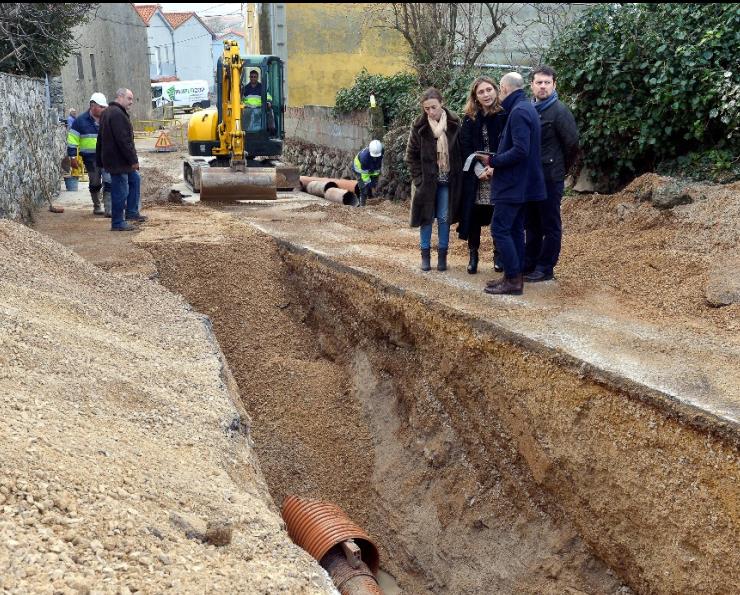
202	8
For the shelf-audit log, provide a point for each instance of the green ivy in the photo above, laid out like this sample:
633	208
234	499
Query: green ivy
651	82
392	94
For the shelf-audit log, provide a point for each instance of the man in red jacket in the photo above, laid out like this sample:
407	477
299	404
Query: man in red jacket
116	153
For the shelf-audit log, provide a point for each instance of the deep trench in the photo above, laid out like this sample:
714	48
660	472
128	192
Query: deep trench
476	464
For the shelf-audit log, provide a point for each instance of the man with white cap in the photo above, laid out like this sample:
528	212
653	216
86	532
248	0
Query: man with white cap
367	166
82	137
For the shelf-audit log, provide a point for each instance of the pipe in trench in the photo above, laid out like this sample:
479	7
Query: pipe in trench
341	547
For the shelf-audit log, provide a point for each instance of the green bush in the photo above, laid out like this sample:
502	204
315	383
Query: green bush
391	92
651	82
716	165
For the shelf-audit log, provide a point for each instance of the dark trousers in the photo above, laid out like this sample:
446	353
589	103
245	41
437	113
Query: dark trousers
94	175
480	217
507	229
544	230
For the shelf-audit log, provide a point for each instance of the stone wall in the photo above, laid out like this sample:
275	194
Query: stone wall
318	160
32	144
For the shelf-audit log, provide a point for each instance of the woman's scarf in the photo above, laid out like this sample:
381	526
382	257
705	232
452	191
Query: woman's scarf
439	130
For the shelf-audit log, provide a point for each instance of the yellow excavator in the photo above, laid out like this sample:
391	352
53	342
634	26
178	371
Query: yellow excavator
235	149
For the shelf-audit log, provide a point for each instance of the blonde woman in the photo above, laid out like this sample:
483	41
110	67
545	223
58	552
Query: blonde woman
433	158
481	128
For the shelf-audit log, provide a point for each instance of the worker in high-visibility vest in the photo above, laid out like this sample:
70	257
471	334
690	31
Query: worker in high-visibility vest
82	138
367	166
253	100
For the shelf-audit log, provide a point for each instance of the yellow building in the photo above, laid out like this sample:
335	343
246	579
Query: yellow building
328	45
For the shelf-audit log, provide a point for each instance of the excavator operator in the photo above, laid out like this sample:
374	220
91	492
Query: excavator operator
252	94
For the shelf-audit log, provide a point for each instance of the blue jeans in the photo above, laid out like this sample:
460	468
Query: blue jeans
507	229
125	192
544	230
441	208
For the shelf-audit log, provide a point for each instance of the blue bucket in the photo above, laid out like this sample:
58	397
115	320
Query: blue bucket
71	183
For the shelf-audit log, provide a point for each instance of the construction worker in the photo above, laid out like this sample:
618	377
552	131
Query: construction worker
82	139
367	166
253	100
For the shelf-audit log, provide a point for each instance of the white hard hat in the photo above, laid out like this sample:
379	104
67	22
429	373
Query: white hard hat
376	148
99	98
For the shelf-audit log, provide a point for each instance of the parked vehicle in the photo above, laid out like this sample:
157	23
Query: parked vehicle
185	95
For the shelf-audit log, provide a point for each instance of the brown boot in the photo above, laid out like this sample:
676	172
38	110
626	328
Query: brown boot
506	286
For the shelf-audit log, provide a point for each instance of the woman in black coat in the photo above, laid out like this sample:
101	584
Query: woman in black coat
482	126
434	160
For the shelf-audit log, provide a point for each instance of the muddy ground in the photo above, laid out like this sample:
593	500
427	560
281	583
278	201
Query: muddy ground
463	482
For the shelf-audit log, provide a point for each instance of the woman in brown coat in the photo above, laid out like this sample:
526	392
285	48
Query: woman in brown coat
434	160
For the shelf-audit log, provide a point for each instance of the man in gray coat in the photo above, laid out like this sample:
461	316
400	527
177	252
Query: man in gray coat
559	151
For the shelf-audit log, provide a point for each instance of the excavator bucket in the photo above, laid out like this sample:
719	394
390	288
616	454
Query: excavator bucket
224	185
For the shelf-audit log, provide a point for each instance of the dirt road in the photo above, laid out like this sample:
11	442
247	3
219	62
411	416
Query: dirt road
369	383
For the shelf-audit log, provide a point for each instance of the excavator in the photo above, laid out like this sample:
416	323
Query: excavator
235	149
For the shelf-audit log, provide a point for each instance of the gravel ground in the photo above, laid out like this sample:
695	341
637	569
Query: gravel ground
123	440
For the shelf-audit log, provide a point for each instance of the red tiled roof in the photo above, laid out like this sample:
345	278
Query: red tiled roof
177	18
146	11
229	33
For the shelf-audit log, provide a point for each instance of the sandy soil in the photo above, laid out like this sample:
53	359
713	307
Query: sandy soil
338	415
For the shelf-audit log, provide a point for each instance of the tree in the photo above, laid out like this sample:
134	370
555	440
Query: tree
444	37
37	38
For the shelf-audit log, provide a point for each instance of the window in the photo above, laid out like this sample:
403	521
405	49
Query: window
80	72
159	59
92	66
166	54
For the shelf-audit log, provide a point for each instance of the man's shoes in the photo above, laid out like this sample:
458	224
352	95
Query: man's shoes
507	286
537	276
98	209
137	218
124	227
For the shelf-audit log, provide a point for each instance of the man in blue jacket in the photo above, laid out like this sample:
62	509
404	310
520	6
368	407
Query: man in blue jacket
517	180
82	139
367	166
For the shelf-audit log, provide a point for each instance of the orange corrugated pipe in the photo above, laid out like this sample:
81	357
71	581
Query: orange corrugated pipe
321	528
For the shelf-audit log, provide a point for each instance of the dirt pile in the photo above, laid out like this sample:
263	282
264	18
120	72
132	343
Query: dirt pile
119	427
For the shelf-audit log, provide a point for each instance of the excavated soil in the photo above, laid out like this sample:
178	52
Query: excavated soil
478	462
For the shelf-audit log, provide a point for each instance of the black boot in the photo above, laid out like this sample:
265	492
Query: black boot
426	259
473	264
363	199
497	266
442	259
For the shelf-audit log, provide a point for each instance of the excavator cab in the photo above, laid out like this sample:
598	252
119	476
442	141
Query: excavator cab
235	148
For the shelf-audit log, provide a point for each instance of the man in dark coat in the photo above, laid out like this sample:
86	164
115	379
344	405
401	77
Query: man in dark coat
517	180
559	150
116	153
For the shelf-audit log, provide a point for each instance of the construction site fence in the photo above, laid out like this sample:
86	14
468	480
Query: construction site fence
174	129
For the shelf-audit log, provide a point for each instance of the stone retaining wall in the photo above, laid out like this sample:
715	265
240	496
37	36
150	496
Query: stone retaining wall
32	145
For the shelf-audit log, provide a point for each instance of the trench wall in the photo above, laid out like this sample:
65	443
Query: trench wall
652	490
32	145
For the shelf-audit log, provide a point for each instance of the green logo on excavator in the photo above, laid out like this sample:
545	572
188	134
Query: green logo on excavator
171	93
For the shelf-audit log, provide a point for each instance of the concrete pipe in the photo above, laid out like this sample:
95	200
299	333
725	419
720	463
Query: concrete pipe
326	532
319	187
223	185
342	197
350	185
